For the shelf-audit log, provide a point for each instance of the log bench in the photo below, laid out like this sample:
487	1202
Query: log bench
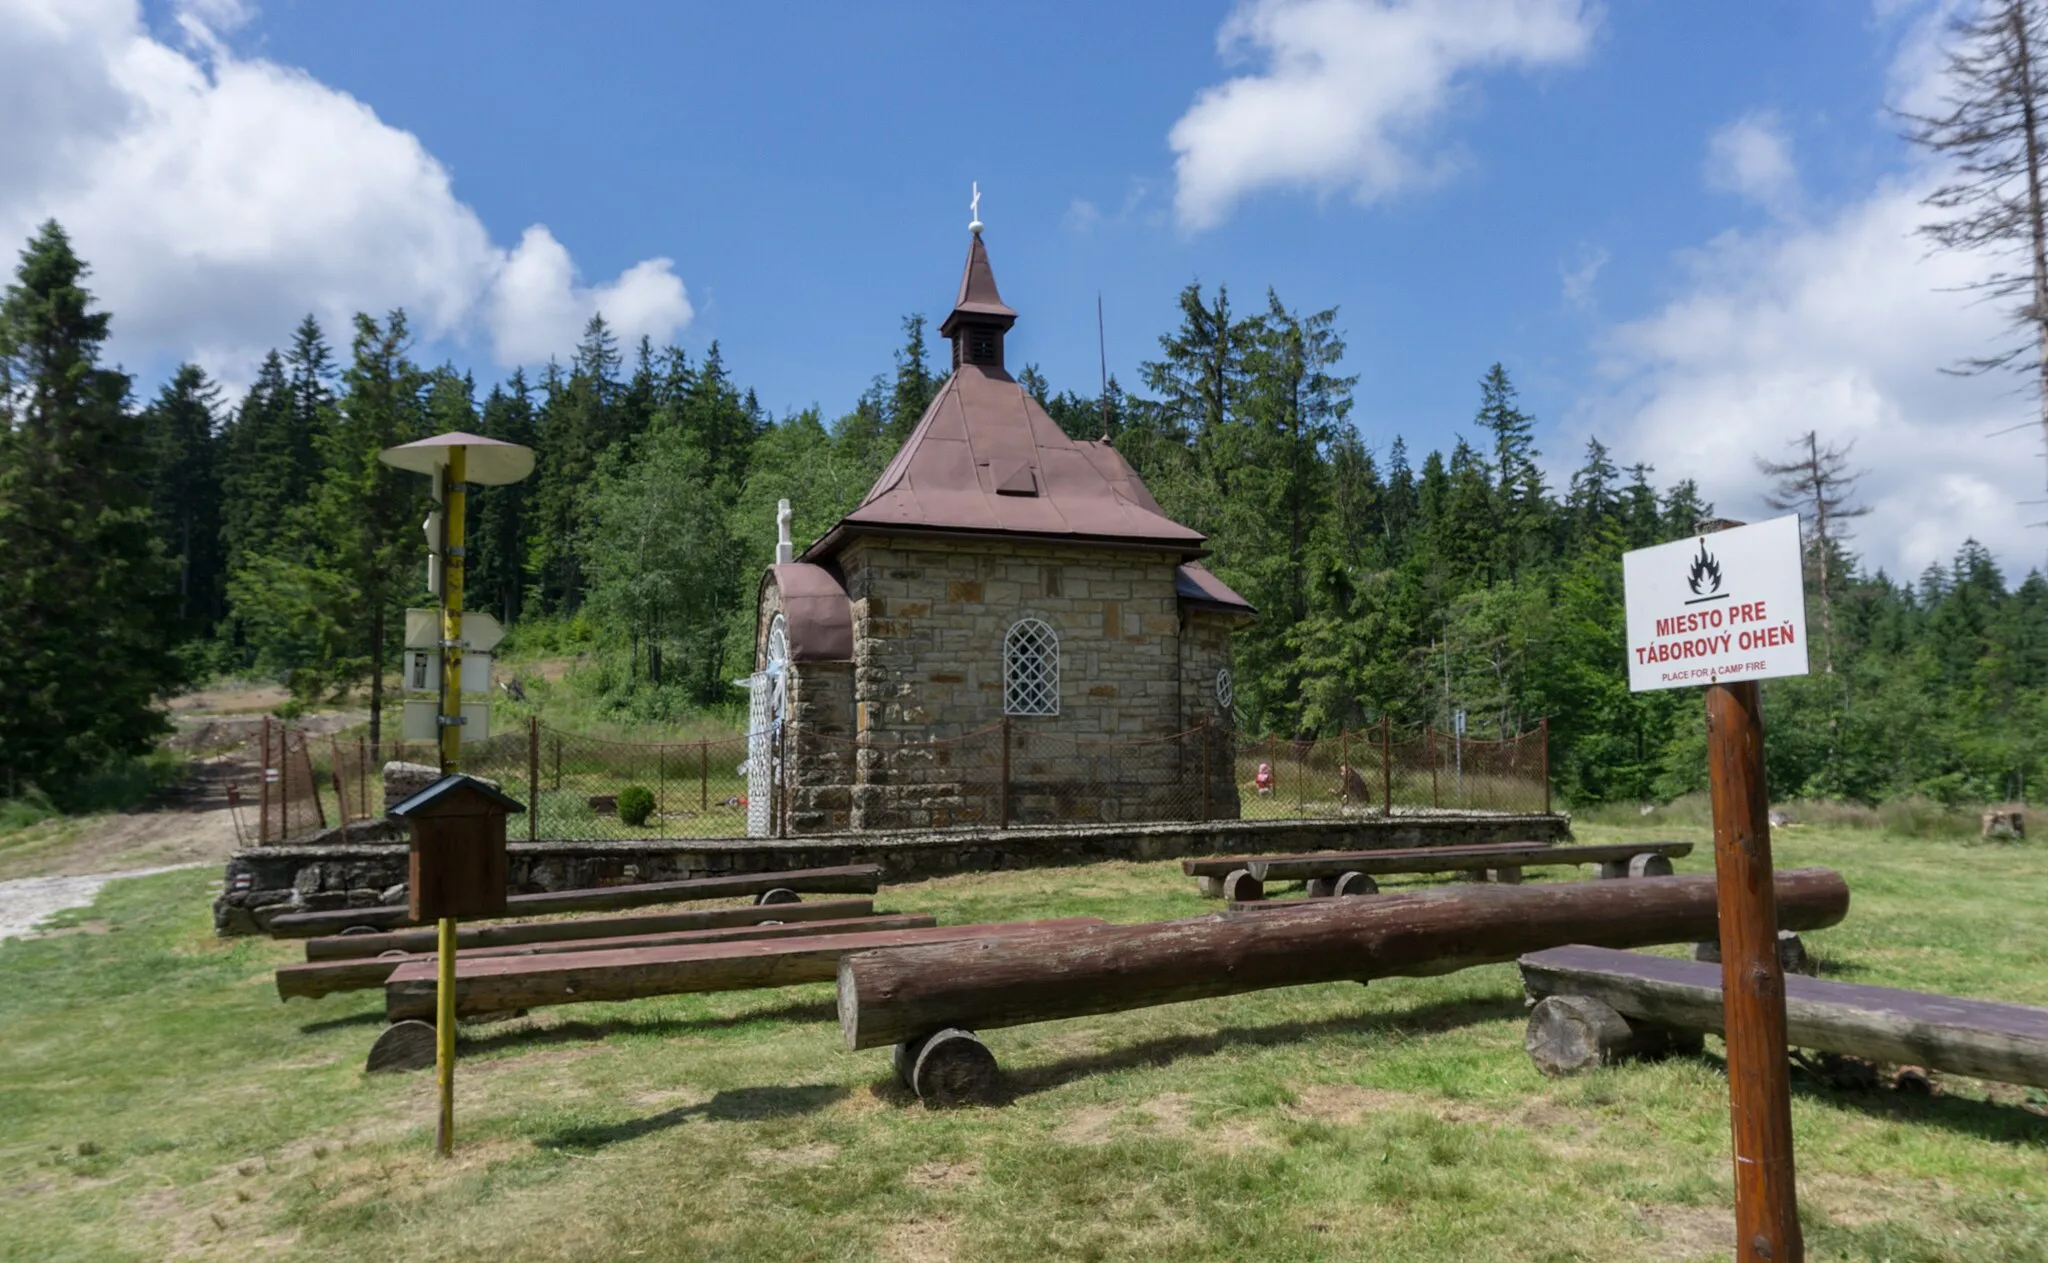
1595	1005
497	984
412	942
929	1000
1243	878
846	879
326	977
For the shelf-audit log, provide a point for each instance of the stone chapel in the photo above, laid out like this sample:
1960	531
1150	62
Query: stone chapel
999	578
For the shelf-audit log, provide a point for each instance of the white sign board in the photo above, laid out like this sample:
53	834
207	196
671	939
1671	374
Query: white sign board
423	671
480	632
422	720
1726	606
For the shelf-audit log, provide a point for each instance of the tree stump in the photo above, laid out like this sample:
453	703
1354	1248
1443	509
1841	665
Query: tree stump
1211	887
1649	864
1510	876
1242	887
1611	869
1320	887
2005	825
953	1068
405	1045
781	894
1792	956
1355	884
1571	1033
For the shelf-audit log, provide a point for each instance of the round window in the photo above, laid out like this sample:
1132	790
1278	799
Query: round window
1226	692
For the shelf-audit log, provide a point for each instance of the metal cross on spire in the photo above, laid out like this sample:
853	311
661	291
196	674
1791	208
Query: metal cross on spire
974	209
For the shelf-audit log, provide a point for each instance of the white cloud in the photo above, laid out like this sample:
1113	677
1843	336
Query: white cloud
1347	90
1841	327
1752	158
219	198
1082	217
1580	276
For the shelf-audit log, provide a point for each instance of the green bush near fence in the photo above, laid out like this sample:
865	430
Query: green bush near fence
636	803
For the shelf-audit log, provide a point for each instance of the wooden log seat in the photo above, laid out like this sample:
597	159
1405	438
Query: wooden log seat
326	977
410	942
496	984
846	879
1984	1039
890	996
1242	878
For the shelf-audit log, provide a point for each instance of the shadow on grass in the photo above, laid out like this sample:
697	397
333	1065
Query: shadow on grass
1441	1016
368	1017
577	1032
1985	1120
731	1105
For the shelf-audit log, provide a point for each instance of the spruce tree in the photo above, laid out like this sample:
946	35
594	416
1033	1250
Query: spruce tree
179	430
86	595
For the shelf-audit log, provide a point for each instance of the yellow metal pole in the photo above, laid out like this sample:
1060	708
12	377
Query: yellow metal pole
453	503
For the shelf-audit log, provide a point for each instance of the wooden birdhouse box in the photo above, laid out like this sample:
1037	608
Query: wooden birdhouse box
458	848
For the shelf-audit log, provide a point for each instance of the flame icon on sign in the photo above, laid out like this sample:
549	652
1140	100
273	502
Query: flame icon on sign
1705	576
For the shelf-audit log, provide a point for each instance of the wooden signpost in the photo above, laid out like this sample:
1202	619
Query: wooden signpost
453	461
1726	615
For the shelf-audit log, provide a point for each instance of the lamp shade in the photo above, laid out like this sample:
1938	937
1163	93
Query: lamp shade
490	462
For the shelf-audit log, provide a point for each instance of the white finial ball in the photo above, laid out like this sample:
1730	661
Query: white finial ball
975	227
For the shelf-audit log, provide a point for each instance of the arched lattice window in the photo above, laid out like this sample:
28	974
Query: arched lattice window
1031	669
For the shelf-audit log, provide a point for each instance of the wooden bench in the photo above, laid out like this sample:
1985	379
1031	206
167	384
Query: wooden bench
508	983
326	977
848	879
1595	1005
356	946
1243	878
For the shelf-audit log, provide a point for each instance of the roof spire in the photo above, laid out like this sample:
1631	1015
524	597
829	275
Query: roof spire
974	210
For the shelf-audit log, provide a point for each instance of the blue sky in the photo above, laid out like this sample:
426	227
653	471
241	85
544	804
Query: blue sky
1684	228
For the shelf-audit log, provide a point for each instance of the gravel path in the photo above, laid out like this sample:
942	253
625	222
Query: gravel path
25	903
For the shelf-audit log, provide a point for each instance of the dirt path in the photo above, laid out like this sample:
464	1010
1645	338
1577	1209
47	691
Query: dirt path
24	904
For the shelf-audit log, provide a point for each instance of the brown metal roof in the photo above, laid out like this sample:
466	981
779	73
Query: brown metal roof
818	619
986	458
1197	585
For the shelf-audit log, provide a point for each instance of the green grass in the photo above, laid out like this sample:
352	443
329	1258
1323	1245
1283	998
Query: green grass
157	1101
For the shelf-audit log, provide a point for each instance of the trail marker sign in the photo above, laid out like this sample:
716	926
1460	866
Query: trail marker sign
1718	608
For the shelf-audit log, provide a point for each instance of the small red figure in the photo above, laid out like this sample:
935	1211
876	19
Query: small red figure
1262	780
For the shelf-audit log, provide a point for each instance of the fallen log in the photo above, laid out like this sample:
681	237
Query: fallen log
497	984
1220	866
848	879
1984	1039
1447	859
886	997
327	977
411	942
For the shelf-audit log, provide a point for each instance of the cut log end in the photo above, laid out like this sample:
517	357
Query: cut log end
362	929
781	894
849	1006
1355	884
1792	954
954	1068
1649	864
1211	887
405	1045
1568	1034
1320	887
1242	887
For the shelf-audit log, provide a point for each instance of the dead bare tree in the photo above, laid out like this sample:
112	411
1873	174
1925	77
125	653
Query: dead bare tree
1818	487
1998	92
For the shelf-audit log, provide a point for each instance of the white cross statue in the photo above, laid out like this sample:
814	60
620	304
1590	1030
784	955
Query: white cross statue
785	547
974	209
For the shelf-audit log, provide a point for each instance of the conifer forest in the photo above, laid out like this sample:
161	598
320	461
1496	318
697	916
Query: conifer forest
151	540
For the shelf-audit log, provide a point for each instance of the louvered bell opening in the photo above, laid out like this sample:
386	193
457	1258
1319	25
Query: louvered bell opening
984	346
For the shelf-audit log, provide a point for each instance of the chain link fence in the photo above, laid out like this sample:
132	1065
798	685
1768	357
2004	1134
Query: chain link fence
1005	775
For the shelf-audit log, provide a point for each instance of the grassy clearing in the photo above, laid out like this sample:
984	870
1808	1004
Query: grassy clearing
156	1101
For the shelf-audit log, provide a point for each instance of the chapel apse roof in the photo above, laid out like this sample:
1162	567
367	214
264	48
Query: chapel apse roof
986	459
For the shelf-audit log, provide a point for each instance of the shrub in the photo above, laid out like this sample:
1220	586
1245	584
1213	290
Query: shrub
636	803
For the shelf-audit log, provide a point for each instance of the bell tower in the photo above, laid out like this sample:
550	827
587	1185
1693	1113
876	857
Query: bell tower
979	318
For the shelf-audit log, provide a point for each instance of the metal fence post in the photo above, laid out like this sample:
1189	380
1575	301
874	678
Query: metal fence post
1202	735
1344	765
533	778
558	763
1543	739
263	788
1003	790
704	777
1387	761
1436	797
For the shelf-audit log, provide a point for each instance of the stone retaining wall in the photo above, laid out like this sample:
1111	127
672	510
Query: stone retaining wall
266	881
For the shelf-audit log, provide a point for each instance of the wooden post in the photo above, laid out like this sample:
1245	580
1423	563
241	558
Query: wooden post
558	763
1543	735
704	776
1752	983
444	1040
1387	761
1202	735
1003	790
263	787
1343	763
533	777
363	775
1436	797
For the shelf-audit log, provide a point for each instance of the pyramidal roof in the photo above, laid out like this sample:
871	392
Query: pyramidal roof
985	459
